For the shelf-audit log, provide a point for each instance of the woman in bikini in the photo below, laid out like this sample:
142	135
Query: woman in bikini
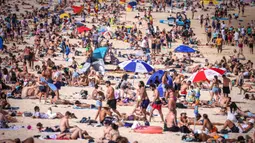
215	89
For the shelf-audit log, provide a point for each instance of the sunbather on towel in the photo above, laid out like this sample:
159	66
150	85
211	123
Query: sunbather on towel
47	129
17	140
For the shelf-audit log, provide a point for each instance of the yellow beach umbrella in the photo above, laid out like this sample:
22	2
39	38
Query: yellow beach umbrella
64	15
209	1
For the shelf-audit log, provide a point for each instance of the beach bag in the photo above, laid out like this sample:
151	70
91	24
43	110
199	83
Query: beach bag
184	129
84	94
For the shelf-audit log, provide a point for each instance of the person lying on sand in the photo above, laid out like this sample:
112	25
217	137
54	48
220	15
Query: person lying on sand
17	140
239	127
40	127
49	115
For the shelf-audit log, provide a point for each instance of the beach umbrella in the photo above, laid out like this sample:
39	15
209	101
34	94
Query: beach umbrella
184	49
136	66
1	43
209	1
63	15
204	75
82	29
159	74
77	9
218	70
99	53
132	3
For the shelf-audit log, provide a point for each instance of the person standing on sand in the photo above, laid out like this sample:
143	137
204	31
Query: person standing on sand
156	103
219	42
226	85
171	118
209	34
240	44
111	101
251	42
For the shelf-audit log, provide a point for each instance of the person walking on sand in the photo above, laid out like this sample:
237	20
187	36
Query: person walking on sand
251	43
226	85
240	44
219	42
111	101
156	103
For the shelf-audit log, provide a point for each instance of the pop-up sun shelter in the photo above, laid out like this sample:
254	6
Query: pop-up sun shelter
100	53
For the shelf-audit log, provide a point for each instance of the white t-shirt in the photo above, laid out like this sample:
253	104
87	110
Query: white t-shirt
144	44
236	36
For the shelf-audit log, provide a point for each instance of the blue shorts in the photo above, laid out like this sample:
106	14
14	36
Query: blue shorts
145	103
215	90
58	85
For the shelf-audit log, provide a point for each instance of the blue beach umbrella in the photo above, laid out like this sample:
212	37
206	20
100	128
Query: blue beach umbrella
136	66
132	3
159	74
1	43
184	49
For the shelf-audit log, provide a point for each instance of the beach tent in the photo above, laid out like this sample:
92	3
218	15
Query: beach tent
184	49
159	74
64	15
1	43
99	66
210	1
77	9
100	53
82	29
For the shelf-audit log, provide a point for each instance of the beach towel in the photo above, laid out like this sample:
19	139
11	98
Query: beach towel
13	108
11	128
91	107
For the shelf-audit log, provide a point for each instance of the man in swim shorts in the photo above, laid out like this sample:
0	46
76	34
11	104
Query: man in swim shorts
111	101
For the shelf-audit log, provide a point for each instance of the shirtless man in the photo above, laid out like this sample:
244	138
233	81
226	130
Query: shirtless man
164	83
145	101
104	113
171	118
64	124
184	88
227	85
111	101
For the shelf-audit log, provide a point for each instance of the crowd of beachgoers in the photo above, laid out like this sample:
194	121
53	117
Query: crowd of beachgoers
60	45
